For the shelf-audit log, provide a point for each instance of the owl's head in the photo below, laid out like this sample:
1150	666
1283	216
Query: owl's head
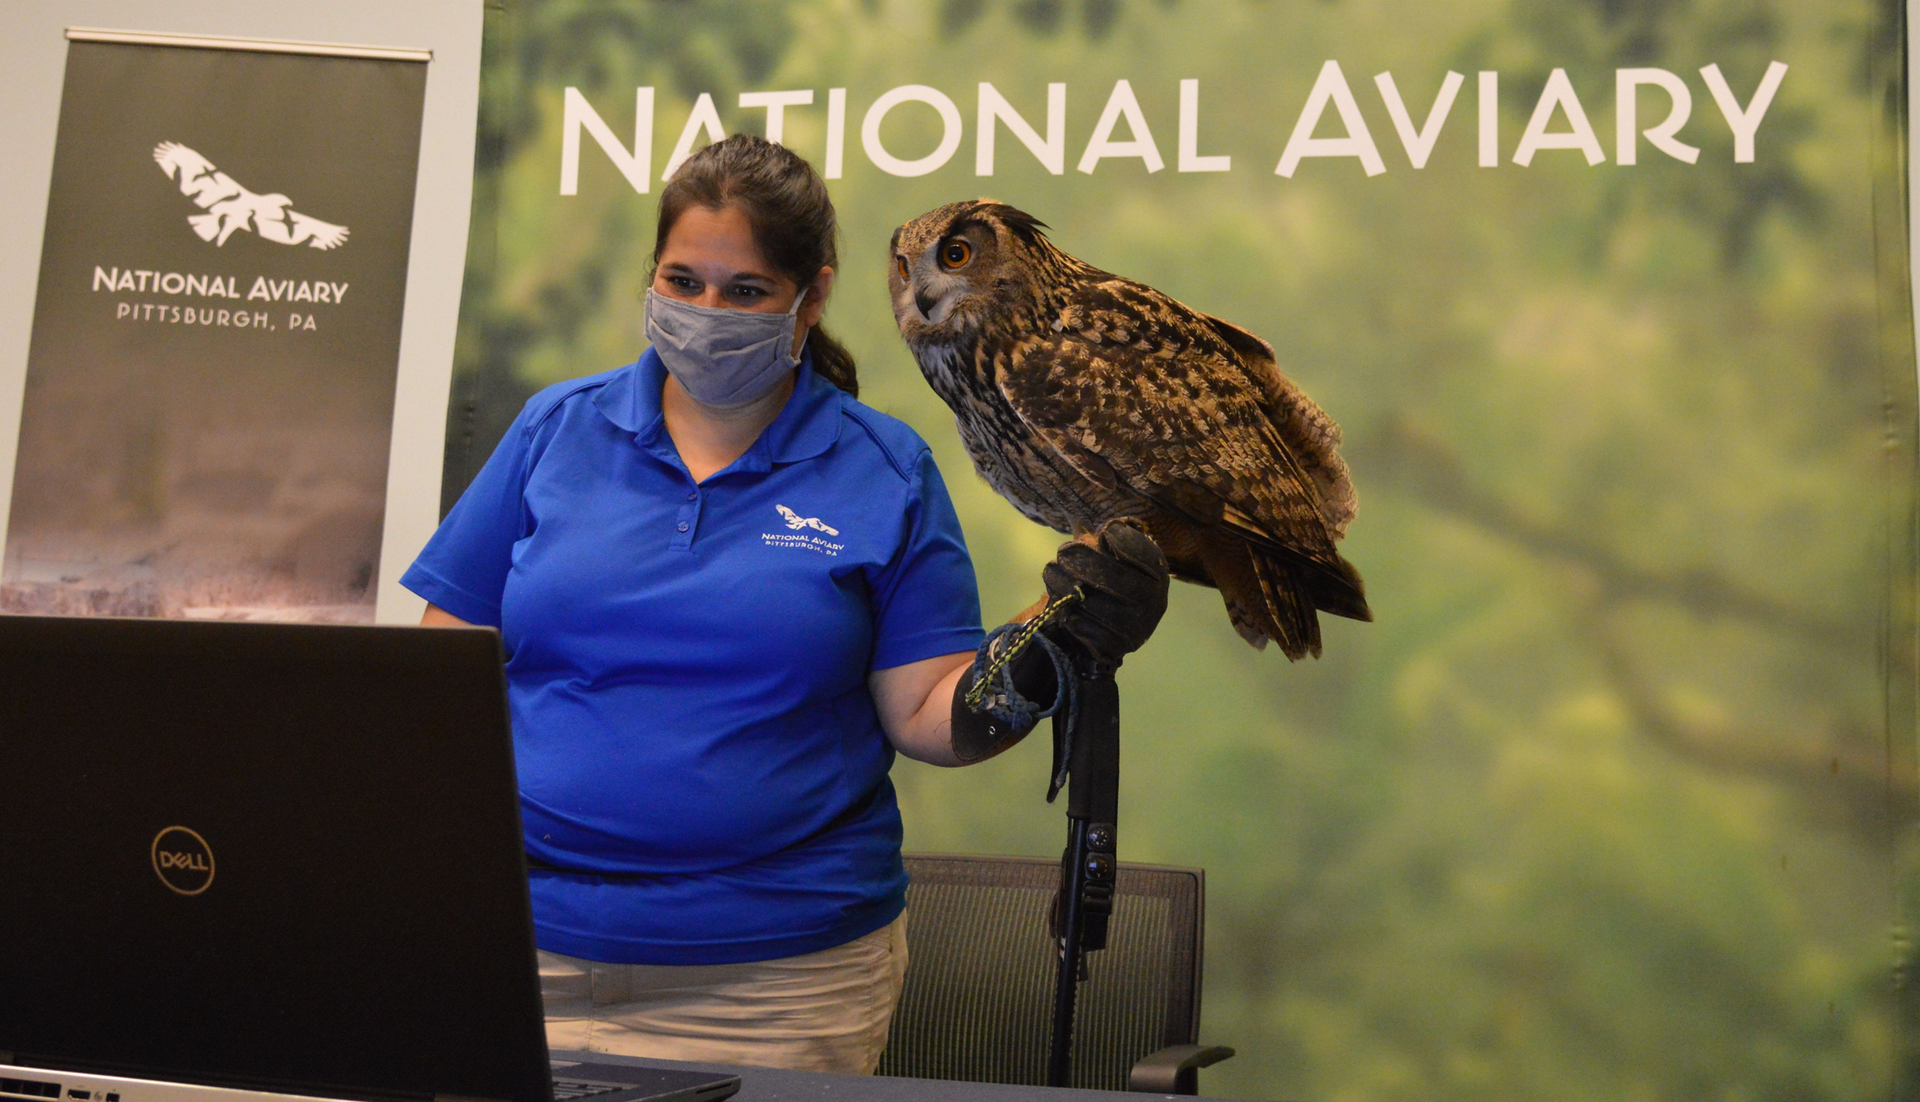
951	268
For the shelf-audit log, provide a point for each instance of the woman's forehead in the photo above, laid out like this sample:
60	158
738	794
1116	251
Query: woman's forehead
709	238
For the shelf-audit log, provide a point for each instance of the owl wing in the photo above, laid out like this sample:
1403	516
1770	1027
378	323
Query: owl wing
1308	434
1132	388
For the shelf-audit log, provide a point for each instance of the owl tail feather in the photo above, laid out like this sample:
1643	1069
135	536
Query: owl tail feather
1341	592
1264	598
1288	607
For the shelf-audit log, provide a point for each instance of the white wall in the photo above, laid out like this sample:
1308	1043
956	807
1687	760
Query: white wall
33	51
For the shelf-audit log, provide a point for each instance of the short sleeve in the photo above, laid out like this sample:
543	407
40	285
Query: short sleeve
463	569
926	600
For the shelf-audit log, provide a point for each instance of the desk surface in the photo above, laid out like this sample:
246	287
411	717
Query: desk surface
776	1085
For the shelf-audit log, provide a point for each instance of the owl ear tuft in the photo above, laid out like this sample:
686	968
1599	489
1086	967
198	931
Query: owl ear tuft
1020	222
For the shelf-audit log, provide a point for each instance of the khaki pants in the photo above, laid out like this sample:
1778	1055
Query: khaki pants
824	1011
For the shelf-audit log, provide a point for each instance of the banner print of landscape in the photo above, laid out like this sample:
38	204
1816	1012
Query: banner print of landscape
1614	799
211	376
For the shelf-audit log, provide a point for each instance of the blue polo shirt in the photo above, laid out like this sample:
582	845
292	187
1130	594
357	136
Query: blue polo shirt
688	662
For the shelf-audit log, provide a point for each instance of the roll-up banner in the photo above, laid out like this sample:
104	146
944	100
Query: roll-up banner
1615	797
210	383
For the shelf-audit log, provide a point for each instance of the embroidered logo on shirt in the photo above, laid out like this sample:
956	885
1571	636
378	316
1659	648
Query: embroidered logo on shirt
796	521
798	538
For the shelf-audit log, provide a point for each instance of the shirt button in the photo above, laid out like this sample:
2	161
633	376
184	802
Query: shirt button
693	495
681	527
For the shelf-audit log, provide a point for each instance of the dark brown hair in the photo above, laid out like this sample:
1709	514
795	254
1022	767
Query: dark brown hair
786	203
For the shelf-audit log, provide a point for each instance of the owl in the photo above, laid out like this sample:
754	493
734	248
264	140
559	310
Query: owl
1084	397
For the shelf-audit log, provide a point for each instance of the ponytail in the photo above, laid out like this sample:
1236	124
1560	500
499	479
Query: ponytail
832	361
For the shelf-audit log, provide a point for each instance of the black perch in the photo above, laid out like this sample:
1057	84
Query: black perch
1089	864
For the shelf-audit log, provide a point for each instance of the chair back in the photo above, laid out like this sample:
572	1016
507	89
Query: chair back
981	961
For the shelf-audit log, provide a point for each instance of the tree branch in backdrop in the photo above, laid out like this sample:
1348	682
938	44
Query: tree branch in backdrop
1430	468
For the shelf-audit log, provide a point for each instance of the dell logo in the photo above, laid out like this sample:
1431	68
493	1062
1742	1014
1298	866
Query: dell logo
182	860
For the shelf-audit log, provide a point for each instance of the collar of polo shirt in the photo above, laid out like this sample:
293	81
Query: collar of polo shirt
807	425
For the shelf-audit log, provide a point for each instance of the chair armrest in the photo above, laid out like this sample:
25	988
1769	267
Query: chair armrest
1174	1069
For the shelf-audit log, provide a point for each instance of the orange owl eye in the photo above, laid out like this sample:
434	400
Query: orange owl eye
900	262
955	253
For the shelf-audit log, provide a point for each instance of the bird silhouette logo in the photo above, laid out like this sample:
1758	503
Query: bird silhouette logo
796	521
230	207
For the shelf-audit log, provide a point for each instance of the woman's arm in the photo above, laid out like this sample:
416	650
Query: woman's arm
437	617
1115	586
915	702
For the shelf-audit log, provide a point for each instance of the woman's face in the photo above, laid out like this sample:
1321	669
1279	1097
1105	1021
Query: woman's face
710	259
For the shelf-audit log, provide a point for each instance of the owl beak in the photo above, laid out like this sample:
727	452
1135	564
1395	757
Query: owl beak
925	303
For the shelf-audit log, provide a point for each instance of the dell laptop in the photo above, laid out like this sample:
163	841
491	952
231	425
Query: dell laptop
243	859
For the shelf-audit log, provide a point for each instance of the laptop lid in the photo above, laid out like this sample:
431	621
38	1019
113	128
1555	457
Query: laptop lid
268	856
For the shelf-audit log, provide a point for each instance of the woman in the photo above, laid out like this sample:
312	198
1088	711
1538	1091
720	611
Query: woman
731	593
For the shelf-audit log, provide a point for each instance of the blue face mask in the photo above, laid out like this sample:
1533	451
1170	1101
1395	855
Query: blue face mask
724	358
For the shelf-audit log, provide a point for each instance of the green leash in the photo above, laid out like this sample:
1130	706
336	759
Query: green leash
1019	642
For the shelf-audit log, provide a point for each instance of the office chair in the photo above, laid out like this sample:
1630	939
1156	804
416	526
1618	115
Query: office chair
978	1004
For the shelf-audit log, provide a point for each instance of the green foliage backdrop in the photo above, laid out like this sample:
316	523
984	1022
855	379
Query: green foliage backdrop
1613	801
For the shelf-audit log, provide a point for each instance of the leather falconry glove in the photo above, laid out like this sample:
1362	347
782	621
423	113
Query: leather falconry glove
1003	718
1122	581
